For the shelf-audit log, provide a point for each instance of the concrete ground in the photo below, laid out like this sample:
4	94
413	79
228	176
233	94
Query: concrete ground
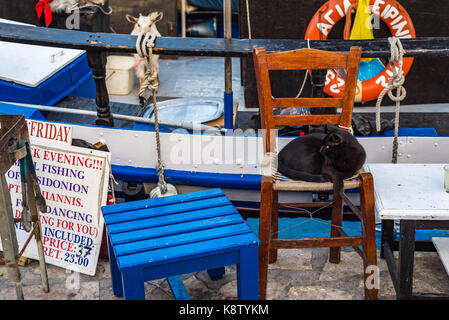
303	274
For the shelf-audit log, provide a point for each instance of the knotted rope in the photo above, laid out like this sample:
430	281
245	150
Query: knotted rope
151	82
395	82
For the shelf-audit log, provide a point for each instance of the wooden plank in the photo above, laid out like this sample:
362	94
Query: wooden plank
180	239
307	102
167	210
316	242
406	259
188	251
170	229
305	120
172	219
391	264
442	246
150	203
178	288
307	59
430	46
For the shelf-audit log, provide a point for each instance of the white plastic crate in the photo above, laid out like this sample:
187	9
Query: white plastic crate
120	74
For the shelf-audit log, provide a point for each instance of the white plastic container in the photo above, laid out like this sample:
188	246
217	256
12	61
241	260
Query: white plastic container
120	74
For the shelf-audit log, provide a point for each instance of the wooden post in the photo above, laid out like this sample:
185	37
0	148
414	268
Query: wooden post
37	232
8	237
97	62
228	95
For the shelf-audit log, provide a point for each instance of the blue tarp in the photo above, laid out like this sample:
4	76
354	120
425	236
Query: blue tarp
214	4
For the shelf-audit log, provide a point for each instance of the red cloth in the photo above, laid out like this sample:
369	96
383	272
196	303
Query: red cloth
42	5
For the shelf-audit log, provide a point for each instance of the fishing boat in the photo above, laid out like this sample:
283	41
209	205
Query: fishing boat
197	155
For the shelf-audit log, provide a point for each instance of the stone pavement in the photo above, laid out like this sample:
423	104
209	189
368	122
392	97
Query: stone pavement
303	274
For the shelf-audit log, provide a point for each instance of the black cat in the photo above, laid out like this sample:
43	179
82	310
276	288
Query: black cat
331	156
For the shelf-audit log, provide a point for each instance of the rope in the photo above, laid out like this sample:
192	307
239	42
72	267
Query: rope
305	76
248	20
347	30
395	82
151	82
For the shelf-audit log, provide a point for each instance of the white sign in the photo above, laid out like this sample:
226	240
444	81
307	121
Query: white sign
74	183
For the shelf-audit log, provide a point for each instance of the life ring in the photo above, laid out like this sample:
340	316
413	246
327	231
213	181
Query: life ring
373	75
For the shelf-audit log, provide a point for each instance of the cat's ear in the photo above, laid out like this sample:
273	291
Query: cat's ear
131	19
335	139
330	127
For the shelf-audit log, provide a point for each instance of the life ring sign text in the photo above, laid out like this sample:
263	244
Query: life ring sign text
392	14
74	183
387	10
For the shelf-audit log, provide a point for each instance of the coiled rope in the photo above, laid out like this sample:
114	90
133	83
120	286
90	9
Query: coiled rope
395	82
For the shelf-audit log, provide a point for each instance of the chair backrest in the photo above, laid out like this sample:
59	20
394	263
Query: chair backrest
304	59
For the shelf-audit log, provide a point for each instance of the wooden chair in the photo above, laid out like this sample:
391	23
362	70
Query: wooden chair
273	182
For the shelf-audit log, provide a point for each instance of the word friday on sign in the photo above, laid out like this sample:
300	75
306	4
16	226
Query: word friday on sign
49	131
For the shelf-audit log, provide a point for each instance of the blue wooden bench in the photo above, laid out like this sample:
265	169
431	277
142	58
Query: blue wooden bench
166	237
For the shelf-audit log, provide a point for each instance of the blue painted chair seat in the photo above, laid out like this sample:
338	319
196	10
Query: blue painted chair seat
165	237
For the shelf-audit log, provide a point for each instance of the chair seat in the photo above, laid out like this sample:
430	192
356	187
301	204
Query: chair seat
283	183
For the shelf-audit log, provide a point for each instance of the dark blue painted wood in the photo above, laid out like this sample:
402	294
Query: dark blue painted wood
178	240
192	250
133	284
167	210
166	230
161	238
162	212
247	279
149	203
116	276
163	270
178	288
170	219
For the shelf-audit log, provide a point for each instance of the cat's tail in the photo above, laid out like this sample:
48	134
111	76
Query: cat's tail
338	184
300	175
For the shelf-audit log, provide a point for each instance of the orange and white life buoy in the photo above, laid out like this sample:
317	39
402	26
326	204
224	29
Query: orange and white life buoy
389	11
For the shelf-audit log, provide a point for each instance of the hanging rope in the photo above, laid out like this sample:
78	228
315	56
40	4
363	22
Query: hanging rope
395	82
151	82
248	20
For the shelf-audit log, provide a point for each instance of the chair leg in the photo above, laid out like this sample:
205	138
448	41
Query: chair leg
266	202
116	276
247	281
369	244
337	218
274	225
133	284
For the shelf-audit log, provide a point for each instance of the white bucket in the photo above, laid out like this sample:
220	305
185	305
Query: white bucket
120	75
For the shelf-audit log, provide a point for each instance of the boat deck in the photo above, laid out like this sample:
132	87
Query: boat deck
189	77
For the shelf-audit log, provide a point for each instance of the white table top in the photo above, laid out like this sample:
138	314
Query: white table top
410	191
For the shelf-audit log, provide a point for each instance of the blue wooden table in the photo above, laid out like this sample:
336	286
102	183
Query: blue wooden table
166	237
